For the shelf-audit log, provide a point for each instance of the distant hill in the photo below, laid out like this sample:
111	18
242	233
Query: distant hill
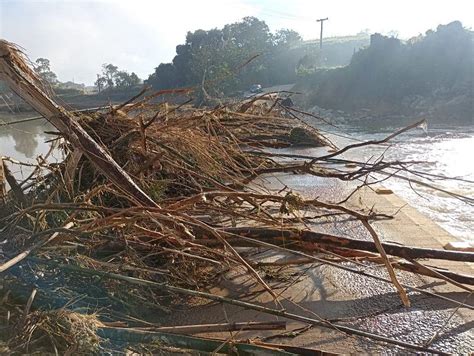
337	51
430	75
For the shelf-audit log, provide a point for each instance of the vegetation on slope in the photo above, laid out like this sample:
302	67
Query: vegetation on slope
432	72
244	53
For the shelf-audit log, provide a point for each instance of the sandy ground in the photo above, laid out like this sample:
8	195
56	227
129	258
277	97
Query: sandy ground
325	292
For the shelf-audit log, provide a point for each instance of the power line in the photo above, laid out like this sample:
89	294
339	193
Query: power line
285	15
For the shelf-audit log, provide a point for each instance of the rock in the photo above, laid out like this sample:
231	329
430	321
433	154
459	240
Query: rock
287	102
300	136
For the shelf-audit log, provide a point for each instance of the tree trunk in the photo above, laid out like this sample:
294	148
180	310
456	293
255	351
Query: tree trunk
22	80
291	236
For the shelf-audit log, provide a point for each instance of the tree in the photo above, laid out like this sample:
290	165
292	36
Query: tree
309	63
124	80
109	71
43	68
390	75
285	38
42	65
231	58
134	79
250	34
112	77
100	83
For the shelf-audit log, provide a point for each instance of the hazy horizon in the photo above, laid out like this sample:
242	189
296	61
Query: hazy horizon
79	36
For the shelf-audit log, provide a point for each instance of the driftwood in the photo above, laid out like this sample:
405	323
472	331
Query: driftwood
457	279
302	351
292	236
186	342
23	81
207	328
244	347
192	163
3	188
14	186
246	305
116	246
21	256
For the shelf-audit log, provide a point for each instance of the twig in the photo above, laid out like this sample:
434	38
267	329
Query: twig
207	328
246	305
13	261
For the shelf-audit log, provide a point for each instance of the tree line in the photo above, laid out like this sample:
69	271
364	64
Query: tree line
229	60
110	77
225	60
390	72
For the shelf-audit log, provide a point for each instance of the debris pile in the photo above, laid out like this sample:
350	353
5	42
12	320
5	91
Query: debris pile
148	209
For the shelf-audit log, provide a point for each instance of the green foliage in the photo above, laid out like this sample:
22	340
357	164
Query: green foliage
231	58
124	80
112	77
43	68
157	190
388	71
109	72
308	64
286	38
240	54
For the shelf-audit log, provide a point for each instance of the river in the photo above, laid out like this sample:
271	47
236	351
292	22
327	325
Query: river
446	151
23	141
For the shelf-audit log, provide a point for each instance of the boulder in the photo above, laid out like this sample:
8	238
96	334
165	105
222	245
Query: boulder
299	136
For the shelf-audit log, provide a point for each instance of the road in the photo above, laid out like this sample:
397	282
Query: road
285	87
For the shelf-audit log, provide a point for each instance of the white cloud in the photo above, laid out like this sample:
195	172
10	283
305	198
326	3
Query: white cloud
79	36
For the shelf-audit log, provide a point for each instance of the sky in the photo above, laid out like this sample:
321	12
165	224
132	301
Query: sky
78	36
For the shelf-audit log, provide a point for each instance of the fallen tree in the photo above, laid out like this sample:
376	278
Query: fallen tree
158	196
282	236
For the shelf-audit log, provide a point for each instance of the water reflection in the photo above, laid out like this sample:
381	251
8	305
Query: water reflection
23	141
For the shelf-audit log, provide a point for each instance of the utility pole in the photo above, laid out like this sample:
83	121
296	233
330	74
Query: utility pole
321	34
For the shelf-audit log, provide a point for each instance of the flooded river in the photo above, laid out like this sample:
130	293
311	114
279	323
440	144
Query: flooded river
446	151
